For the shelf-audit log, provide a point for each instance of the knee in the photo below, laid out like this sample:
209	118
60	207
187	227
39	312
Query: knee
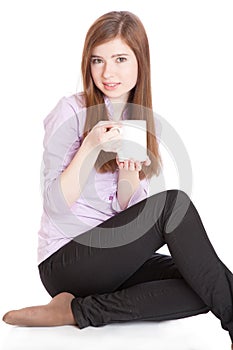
176	193
178	204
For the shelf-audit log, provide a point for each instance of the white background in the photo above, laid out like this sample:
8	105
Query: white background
192	77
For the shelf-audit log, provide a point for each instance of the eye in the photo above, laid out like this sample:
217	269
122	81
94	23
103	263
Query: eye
96	60
121	59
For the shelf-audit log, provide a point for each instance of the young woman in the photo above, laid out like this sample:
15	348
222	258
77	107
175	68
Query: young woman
100	229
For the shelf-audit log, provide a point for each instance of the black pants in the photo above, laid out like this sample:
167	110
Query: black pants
116	275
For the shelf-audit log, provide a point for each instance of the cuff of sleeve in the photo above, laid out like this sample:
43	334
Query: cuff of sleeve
115	204
137	196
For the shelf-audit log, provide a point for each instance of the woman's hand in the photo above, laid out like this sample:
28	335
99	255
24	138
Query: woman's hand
131	165
106	136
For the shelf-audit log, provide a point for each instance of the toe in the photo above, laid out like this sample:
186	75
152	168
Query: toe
7	318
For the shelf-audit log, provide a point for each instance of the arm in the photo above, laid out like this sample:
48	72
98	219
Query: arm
74	177
67	160
130	188
76	174
128	183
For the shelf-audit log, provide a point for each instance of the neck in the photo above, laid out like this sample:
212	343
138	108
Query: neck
117	110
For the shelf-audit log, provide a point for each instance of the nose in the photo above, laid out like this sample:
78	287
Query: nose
108	71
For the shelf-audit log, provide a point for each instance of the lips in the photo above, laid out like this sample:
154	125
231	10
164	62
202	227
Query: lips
110	85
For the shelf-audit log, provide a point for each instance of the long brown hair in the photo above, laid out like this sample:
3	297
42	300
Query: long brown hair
129	28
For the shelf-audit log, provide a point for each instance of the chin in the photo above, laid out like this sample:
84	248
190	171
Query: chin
118	97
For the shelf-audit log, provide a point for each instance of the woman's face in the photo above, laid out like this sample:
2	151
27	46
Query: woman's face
114	69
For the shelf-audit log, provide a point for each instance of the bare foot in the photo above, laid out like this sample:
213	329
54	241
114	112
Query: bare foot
56	313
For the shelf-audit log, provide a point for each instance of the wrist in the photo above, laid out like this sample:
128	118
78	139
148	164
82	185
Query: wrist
126	188
128	174
89	146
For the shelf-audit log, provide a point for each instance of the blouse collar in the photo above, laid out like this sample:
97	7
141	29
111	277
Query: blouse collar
110	110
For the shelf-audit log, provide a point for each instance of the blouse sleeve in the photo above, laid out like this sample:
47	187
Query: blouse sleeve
61	142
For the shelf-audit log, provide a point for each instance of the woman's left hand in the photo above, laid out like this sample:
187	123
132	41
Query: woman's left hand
132	165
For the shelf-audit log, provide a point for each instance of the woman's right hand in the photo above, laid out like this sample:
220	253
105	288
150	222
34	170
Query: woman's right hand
105	136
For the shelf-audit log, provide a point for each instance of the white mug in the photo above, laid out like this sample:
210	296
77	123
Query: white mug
134	140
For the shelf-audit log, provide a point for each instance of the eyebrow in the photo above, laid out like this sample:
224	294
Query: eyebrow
116	55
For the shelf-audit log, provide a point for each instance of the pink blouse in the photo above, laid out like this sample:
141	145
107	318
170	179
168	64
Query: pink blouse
98	202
